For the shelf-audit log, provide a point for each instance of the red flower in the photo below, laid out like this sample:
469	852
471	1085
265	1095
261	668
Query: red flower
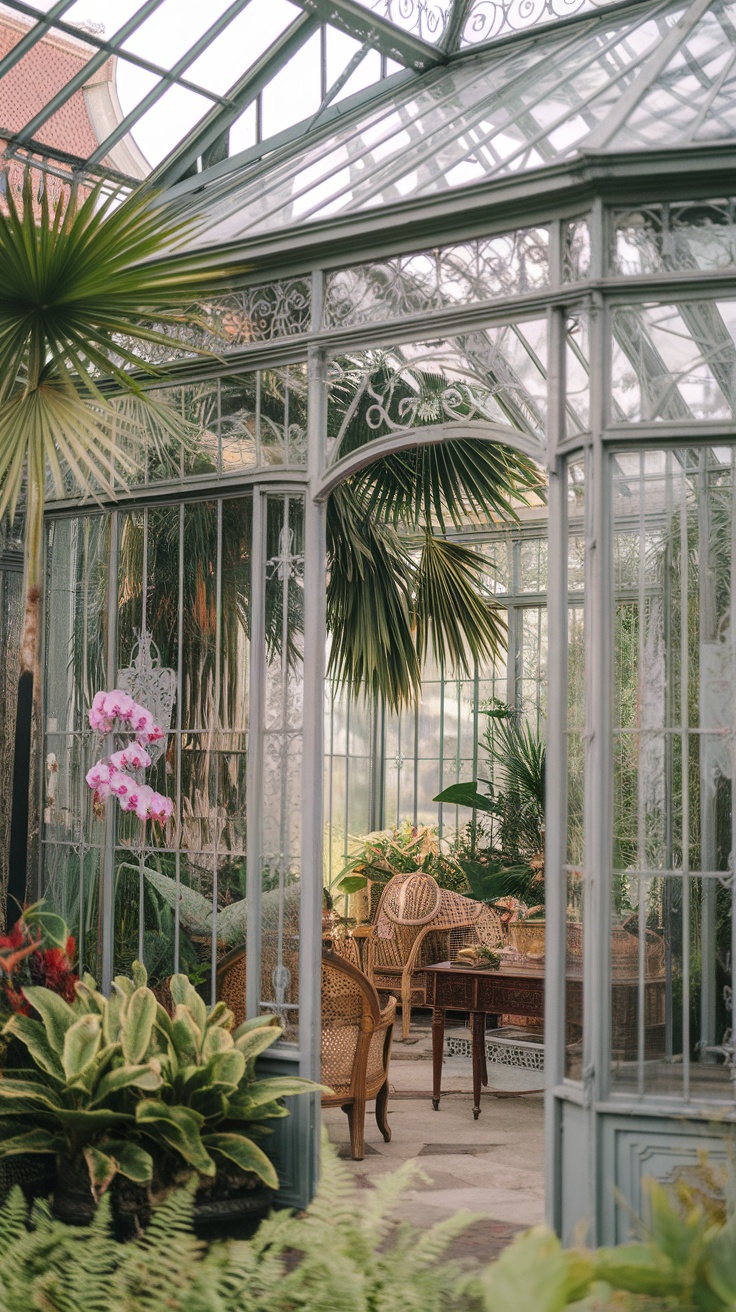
16	938
50	967
16	1001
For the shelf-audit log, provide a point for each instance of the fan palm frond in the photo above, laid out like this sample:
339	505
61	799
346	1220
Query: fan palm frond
455	617
369	604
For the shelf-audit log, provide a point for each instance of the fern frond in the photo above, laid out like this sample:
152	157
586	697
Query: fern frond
12	1223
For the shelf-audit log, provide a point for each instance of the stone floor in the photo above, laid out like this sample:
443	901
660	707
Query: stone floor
492	1167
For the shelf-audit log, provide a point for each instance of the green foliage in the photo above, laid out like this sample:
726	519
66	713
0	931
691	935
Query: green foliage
687	1261
503	855
345	1255
123	1087
82	288
349	1253
401	850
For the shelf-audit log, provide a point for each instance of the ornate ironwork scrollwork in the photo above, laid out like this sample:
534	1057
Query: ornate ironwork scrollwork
508	264
489	19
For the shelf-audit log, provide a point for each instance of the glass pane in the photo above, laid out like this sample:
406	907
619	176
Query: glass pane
11	619
495	375
576	252
183	585
76	661
674	362
521	107
673	842
577	374
575	739
657	238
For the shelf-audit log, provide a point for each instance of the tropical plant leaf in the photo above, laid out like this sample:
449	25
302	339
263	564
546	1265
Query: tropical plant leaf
466	795
32	1034
81	1045
102	1169
251	1043
455	618
37	1140
140	1014
245	1154
56	1015
125	1077
372	647
131	1160
179	1129
27	1095
279	1086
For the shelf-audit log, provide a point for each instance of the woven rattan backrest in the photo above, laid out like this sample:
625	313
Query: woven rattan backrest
413	906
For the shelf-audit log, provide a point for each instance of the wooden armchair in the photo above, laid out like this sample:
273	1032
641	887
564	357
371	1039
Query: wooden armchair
356	1036
356	1046
418	924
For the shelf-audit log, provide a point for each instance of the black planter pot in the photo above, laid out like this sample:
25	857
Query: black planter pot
34	1172
231	1206
228	1207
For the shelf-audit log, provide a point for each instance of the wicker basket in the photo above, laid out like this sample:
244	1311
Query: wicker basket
528	937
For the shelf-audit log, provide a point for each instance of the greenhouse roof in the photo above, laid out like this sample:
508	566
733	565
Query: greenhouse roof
640	78
297	109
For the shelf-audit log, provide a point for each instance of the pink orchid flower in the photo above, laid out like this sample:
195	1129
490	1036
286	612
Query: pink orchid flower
161	808
99	774
121	783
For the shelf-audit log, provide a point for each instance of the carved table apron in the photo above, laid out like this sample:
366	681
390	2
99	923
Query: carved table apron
510	991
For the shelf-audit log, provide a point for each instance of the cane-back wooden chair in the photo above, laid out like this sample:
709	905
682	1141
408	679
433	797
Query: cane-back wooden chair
356	1046
418	924
356	1033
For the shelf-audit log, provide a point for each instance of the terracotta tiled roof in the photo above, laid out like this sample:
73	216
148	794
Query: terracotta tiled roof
32	82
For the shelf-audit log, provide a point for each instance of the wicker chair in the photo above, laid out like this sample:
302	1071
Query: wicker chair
418	924
356	1046
356	1034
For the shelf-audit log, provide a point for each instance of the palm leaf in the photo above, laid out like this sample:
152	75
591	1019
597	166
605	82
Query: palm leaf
368	604
455	618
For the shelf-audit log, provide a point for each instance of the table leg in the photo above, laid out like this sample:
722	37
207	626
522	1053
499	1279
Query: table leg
478	1028
438	1043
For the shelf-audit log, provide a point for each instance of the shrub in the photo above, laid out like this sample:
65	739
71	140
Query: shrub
116	1085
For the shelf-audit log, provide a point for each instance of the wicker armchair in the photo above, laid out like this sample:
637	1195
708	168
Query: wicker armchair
356	1034
356	1046
418	924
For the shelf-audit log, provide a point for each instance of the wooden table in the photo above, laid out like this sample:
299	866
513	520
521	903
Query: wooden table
511	990
519	991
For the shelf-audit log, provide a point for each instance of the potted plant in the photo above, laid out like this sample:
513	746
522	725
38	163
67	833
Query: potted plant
507	869
38	950
119	1090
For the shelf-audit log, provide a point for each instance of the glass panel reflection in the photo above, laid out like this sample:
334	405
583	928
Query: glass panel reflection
674	362
685	235
282	761
575	739
673	842
182	581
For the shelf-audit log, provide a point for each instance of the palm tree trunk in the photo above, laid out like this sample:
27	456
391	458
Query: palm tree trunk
29	654
19	813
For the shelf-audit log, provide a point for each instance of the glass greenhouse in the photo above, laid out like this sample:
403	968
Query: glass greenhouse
529	202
